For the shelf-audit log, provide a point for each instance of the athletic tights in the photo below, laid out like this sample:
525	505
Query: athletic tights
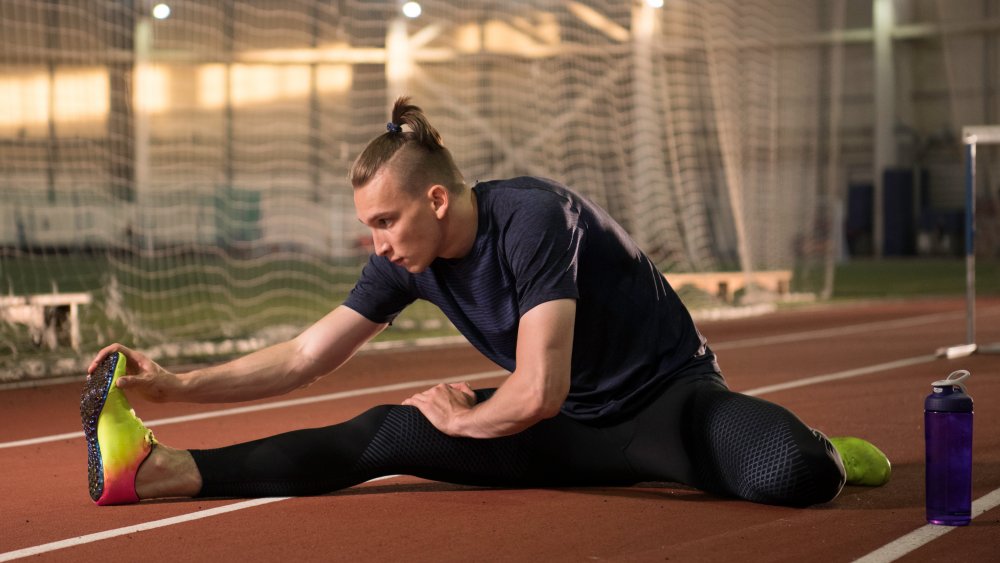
697	432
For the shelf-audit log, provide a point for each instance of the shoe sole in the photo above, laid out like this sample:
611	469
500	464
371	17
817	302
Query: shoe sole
95	394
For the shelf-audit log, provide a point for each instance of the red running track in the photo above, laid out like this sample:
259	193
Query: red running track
860	369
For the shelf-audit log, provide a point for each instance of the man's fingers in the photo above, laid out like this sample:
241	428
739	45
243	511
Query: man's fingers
448	389
110	349
100	356
134	382
465	391
412	401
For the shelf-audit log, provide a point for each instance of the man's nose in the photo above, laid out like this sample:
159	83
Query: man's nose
381	245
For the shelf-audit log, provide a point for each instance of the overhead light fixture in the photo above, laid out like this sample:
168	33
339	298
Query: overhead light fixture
412	9
161	11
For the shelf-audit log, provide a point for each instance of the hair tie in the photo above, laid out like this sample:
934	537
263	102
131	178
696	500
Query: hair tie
393	128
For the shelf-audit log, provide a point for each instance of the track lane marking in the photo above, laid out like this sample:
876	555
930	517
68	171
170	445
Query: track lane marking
108	534
848	329
274	405
927	533
152	525
846	374
730	345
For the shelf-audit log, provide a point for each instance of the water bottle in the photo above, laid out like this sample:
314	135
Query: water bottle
948	438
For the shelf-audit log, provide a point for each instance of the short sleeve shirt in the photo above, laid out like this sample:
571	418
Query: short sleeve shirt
539	241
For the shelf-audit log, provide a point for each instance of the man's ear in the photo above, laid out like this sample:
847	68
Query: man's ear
439	198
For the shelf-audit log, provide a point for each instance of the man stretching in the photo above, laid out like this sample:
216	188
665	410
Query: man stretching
611	383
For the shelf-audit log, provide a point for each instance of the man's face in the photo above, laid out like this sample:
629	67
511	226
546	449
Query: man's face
405	228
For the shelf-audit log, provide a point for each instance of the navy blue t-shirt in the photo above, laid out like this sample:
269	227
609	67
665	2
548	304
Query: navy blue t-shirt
539	241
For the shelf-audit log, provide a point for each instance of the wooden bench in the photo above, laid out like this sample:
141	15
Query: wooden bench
724	285
44	315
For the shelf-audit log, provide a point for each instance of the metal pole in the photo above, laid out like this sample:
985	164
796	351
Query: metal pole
971	135
648	165
142	48
883	22
970	239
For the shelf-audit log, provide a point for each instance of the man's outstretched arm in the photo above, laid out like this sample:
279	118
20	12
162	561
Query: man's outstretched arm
535	391
271	371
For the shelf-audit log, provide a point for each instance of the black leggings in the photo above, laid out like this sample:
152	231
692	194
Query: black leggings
696	432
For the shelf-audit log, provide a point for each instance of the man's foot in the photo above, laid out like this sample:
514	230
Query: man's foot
865	464
117	441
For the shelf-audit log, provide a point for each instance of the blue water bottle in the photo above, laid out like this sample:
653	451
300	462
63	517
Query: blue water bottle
948	438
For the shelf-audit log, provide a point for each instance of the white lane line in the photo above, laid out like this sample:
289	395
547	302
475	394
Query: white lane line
847	330
430	382
762	341
847	374
108	534
923	535
98	536
275	405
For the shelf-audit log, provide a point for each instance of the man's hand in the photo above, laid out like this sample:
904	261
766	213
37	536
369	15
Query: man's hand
533	392
443	404
142	375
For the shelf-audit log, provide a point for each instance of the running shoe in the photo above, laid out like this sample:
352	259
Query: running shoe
117	441
865	464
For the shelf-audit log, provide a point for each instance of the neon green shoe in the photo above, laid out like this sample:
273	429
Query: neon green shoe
865	464
117	441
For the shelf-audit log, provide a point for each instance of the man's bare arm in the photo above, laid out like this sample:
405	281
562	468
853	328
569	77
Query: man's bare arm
274	370
535	391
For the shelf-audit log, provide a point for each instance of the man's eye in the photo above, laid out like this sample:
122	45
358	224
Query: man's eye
384	223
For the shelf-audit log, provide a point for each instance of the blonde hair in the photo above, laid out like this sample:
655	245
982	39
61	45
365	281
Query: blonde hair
426	152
